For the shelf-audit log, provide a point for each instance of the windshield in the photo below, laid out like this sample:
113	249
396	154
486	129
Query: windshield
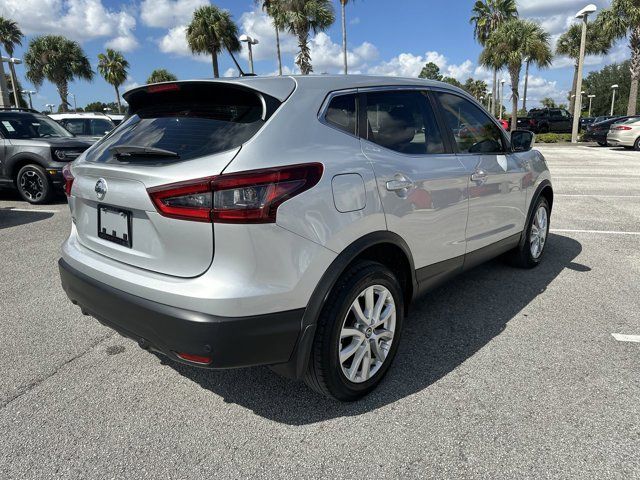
17	126
185	127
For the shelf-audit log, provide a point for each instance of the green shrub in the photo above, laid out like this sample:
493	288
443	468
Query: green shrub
553	137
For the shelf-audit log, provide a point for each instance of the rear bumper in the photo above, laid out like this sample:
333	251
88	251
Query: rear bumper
229	341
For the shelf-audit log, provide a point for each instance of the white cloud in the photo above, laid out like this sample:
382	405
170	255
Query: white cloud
258	25
410	65
168	13
326	55
230	72
78	19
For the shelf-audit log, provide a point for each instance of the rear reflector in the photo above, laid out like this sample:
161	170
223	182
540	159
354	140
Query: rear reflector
199	359
246	197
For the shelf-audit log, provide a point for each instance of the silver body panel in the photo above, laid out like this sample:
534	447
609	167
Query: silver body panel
240	270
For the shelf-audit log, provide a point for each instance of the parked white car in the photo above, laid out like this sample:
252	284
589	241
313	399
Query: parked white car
85	124
625	134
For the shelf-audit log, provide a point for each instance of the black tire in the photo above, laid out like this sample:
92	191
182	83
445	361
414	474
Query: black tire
544	129
636	145
522	255
325	374
603	144
33	184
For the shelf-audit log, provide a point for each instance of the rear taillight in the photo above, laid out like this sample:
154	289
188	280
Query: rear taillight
622	127
68	179
245	197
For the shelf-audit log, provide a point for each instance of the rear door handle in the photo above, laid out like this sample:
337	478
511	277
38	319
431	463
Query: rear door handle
479	176
396	185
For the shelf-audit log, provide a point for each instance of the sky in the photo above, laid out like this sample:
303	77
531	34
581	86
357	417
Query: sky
385	38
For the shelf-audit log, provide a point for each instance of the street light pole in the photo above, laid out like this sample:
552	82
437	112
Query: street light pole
613	97
4	91
501	97
14	81
591	97
583	14
50	107
75	108
29	93
250	42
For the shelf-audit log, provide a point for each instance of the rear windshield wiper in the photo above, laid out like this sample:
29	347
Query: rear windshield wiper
138	151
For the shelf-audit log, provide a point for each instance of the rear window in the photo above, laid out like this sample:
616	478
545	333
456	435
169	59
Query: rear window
192	121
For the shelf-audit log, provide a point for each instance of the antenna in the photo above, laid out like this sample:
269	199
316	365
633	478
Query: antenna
242	74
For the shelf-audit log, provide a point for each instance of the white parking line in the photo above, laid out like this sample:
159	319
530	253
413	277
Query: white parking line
32	210
595	196
604	232
626	338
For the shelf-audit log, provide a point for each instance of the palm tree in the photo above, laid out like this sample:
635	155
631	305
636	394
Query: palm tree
343	4
511	44
211	30
540	55
58	60
113	67
487	16
276	10
302	17
569	45
161	75
10	37
620	20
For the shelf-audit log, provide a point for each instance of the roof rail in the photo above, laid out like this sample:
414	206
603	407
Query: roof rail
18	109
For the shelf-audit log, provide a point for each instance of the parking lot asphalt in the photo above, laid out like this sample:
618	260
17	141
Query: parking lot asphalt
502	373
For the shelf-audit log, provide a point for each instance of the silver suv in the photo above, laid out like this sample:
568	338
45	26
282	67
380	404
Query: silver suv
291	221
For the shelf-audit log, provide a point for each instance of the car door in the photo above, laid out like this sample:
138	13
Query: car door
421	182
497	177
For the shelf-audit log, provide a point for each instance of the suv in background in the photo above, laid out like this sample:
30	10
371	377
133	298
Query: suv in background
33	151
290	221
547	120
85	124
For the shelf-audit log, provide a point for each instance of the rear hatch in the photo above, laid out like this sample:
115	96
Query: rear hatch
175	132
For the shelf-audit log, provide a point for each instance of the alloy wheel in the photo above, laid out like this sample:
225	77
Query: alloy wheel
32	185
539	230
367	334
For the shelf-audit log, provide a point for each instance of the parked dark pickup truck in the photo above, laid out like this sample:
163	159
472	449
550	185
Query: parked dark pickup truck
547	120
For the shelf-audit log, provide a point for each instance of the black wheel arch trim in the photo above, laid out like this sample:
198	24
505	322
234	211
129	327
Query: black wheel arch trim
20	158
534	200
297	365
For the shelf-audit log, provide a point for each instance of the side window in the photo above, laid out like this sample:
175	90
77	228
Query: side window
75	126
473	130
342	113
403	122
100	127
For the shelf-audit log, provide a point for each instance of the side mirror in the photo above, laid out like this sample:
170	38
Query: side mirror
521	140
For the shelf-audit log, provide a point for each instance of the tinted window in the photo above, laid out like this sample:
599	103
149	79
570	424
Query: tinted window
191	124
74	125
474	131
341	113
27	125
100	126
404	122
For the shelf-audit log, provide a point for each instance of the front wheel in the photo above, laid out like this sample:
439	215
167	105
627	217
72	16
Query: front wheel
528	253
33	184
602	144
358	333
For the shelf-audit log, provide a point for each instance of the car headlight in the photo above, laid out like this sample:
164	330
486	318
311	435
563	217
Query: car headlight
65	155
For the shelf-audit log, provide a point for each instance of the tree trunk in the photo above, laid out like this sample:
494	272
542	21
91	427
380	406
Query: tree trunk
303	60
526	85
634	44
214	61
494	93
63	91
515	80
278	52
344	34
118	99
14	85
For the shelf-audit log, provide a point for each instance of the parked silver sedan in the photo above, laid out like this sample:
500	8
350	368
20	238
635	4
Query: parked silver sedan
625	134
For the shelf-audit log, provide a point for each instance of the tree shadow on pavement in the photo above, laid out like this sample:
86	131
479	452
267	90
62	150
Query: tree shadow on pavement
442	331
11	218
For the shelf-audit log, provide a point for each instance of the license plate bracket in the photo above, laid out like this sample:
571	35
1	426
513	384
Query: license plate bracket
114	225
